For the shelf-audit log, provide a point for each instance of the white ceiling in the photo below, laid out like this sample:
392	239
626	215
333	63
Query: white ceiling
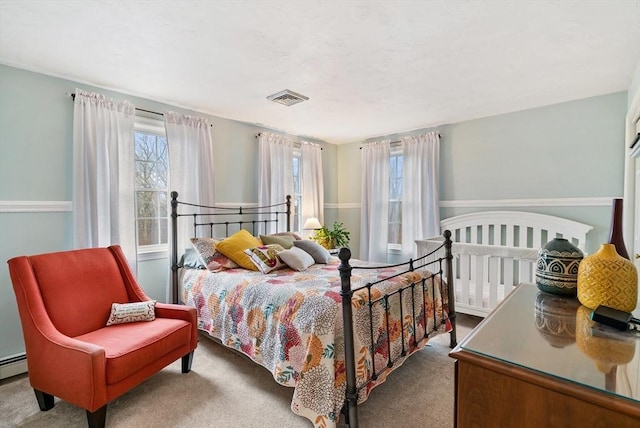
370	68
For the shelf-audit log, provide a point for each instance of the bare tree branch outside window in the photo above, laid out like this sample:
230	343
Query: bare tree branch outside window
152	171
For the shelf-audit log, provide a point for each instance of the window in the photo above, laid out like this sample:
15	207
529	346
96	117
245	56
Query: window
152	186
395	201
297	194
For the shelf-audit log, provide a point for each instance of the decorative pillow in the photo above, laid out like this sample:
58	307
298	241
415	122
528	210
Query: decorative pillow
286	241
234	246
214	260
191	259
296	258
266	257
131	312
317	251
295	235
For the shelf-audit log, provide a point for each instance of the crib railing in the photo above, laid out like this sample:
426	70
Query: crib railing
484	274
514	229
495	250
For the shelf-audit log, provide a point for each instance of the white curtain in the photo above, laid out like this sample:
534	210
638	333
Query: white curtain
275	170
103	173
312	182
374	221
190	165
420	195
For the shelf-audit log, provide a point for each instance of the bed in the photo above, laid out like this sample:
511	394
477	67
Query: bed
333	331
495	250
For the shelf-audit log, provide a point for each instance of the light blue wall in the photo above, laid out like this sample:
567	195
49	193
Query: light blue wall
36	165
568	150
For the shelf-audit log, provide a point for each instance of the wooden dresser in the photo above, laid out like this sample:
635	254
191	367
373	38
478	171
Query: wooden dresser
538	361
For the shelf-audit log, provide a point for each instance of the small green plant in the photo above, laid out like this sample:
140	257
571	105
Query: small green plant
336	237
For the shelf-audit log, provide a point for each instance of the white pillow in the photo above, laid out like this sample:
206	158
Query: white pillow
296	258
131	312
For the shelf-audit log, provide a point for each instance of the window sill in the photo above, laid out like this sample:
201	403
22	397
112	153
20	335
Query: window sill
394	248
152	254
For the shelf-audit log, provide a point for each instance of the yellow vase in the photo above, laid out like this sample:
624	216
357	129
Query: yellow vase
606	278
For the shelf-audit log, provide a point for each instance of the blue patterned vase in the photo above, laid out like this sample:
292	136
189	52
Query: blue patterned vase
557	267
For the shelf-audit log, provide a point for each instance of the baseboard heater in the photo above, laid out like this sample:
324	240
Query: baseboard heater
12	365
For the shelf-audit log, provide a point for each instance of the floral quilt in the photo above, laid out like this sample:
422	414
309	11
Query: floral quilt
290	322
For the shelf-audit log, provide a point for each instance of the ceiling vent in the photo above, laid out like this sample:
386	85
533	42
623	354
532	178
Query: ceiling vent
287	98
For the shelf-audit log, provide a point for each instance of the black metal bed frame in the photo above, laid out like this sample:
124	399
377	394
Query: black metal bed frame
260	217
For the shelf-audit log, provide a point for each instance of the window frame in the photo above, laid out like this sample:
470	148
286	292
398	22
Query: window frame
155	251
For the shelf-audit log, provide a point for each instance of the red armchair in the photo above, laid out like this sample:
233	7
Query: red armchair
64	300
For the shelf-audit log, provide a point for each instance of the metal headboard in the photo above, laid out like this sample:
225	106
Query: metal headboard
223	220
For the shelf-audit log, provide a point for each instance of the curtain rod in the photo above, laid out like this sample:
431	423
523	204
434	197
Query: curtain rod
295	142
73	97
400	141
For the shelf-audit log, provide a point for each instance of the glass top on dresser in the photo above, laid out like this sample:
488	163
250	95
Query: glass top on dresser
555	336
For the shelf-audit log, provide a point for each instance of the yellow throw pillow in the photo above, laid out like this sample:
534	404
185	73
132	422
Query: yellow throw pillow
233	247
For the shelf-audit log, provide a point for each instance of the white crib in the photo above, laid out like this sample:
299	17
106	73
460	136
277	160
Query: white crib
495	250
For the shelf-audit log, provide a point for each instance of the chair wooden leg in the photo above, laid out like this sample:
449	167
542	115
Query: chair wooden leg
187	360
45	401
98	418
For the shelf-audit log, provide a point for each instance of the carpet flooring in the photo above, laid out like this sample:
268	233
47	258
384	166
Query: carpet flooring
225	389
